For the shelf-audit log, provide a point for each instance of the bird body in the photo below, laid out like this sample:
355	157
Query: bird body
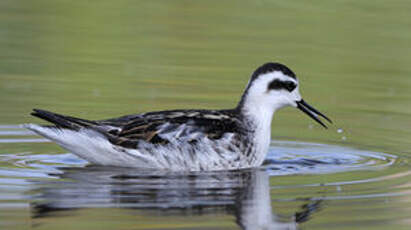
193	140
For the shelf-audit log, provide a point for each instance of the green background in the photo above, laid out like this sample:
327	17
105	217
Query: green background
101	59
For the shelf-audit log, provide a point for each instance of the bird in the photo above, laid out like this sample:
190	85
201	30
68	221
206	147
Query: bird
185	140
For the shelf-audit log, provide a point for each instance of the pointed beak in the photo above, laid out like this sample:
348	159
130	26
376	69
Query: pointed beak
312	112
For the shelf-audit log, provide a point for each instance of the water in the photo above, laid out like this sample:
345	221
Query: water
105	59
288	191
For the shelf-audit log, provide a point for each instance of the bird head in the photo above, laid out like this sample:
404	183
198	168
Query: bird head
273	86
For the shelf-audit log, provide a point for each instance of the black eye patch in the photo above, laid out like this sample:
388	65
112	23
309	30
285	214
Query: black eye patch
278	84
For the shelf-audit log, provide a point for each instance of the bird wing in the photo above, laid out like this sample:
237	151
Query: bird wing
155	127
170	126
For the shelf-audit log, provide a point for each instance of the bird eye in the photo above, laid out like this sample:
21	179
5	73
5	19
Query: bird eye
289	85
277	84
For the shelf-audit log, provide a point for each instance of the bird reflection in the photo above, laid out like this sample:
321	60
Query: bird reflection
244	194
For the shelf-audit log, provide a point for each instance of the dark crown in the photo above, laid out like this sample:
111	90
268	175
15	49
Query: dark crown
271	67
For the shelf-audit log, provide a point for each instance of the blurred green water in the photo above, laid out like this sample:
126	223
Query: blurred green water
100	59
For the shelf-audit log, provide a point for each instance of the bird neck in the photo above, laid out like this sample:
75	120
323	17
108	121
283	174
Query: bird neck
258	118
256	110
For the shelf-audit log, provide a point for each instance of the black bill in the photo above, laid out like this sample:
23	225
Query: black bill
312	112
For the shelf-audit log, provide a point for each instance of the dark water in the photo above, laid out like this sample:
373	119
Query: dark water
105	59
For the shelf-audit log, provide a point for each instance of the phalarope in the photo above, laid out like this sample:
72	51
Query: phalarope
193	140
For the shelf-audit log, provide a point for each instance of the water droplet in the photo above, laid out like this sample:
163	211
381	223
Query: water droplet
340	130
96	93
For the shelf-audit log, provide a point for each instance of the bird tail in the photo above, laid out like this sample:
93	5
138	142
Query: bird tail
84	138
62	121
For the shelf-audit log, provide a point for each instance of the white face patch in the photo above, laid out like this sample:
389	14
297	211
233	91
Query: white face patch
259	96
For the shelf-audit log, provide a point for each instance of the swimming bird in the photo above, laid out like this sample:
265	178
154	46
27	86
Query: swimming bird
186	140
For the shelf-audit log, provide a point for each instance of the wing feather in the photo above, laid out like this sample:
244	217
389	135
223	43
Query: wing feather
170	126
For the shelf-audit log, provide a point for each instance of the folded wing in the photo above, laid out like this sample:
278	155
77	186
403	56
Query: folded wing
170	126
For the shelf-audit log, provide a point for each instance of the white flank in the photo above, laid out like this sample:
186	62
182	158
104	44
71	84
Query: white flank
95	148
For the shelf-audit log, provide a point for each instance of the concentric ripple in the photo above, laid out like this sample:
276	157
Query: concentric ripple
286	157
